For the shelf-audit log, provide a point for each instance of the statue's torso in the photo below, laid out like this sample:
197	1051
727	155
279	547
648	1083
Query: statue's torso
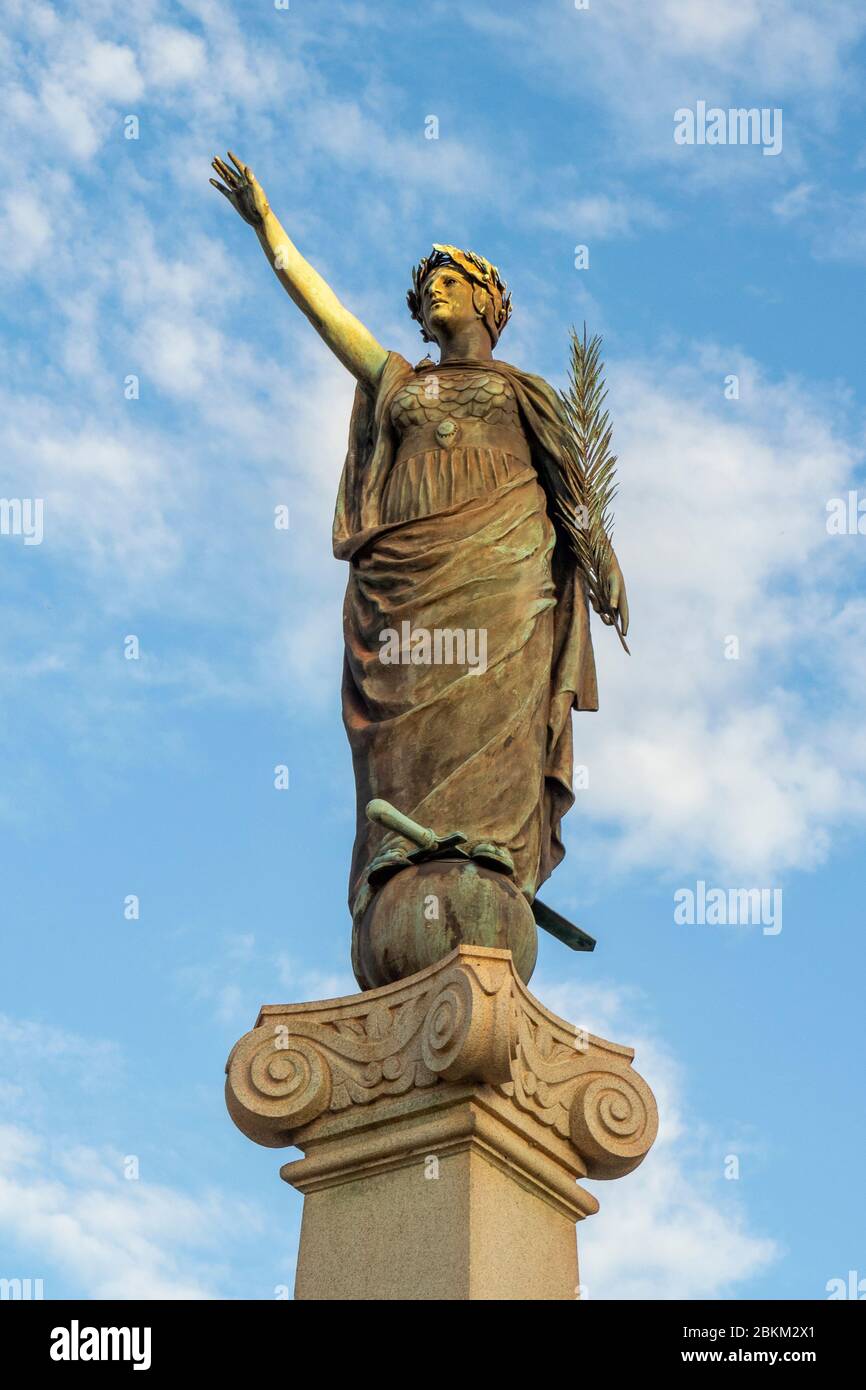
457	407
459	435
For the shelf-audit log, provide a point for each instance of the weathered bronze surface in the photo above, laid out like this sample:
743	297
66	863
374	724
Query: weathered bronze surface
474	906
466	616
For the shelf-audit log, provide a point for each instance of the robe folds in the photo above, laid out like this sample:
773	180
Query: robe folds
484	748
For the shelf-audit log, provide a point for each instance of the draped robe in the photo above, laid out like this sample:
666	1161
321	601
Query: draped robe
487	752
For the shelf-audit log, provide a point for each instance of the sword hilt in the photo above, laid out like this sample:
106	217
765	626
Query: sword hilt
383	813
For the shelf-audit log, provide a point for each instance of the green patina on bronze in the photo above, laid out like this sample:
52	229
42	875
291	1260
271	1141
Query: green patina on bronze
421	913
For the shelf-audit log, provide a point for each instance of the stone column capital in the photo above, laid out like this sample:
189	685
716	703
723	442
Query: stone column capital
468	1024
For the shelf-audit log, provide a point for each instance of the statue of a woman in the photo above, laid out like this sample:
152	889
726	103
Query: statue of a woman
447	514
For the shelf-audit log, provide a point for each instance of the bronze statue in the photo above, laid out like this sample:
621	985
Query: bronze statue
450	513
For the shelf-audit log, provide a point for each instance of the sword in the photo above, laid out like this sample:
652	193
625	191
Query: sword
430	845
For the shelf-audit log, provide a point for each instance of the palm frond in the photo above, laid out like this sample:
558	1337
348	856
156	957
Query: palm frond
589	468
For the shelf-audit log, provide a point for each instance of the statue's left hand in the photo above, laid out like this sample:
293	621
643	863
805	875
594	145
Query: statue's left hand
242	189
618	597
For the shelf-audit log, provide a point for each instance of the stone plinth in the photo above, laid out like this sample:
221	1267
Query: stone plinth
445	1121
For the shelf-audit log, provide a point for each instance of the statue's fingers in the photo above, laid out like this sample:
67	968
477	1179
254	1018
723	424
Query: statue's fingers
241	168
226	174
224	191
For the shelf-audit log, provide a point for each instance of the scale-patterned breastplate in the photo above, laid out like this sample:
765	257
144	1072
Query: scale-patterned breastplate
437	400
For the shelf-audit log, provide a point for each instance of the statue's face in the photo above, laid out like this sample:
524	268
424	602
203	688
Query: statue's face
446	302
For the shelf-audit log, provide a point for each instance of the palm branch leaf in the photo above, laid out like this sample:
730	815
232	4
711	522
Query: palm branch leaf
589	469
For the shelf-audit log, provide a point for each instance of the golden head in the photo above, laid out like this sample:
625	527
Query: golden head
428	298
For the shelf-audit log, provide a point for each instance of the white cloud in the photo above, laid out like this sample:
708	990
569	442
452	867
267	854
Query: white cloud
300	983
642	63
795	202
109	70
29	1047
73	1211
108	492
66	83
25	233
234	981
674	1228
843	234
698	762
68	1209
173	56
600	215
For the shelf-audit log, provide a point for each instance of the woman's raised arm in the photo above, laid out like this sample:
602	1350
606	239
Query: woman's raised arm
345	335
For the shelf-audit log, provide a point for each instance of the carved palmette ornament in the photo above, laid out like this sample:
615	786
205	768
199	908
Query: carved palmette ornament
469	1018
449	1024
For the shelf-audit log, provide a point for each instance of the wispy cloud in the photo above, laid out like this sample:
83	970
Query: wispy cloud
696	758
600	215
75	1213
674	1228
641	65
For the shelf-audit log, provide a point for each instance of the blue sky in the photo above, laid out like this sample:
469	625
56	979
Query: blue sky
155	777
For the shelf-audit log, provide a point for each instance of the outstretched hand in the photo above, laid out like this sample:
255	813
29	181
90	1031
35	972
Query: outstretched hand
242	189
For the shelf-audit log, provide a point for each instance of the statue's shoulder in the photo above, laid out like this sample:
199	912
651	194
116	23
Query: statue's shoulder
527	379
534	389
395	371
